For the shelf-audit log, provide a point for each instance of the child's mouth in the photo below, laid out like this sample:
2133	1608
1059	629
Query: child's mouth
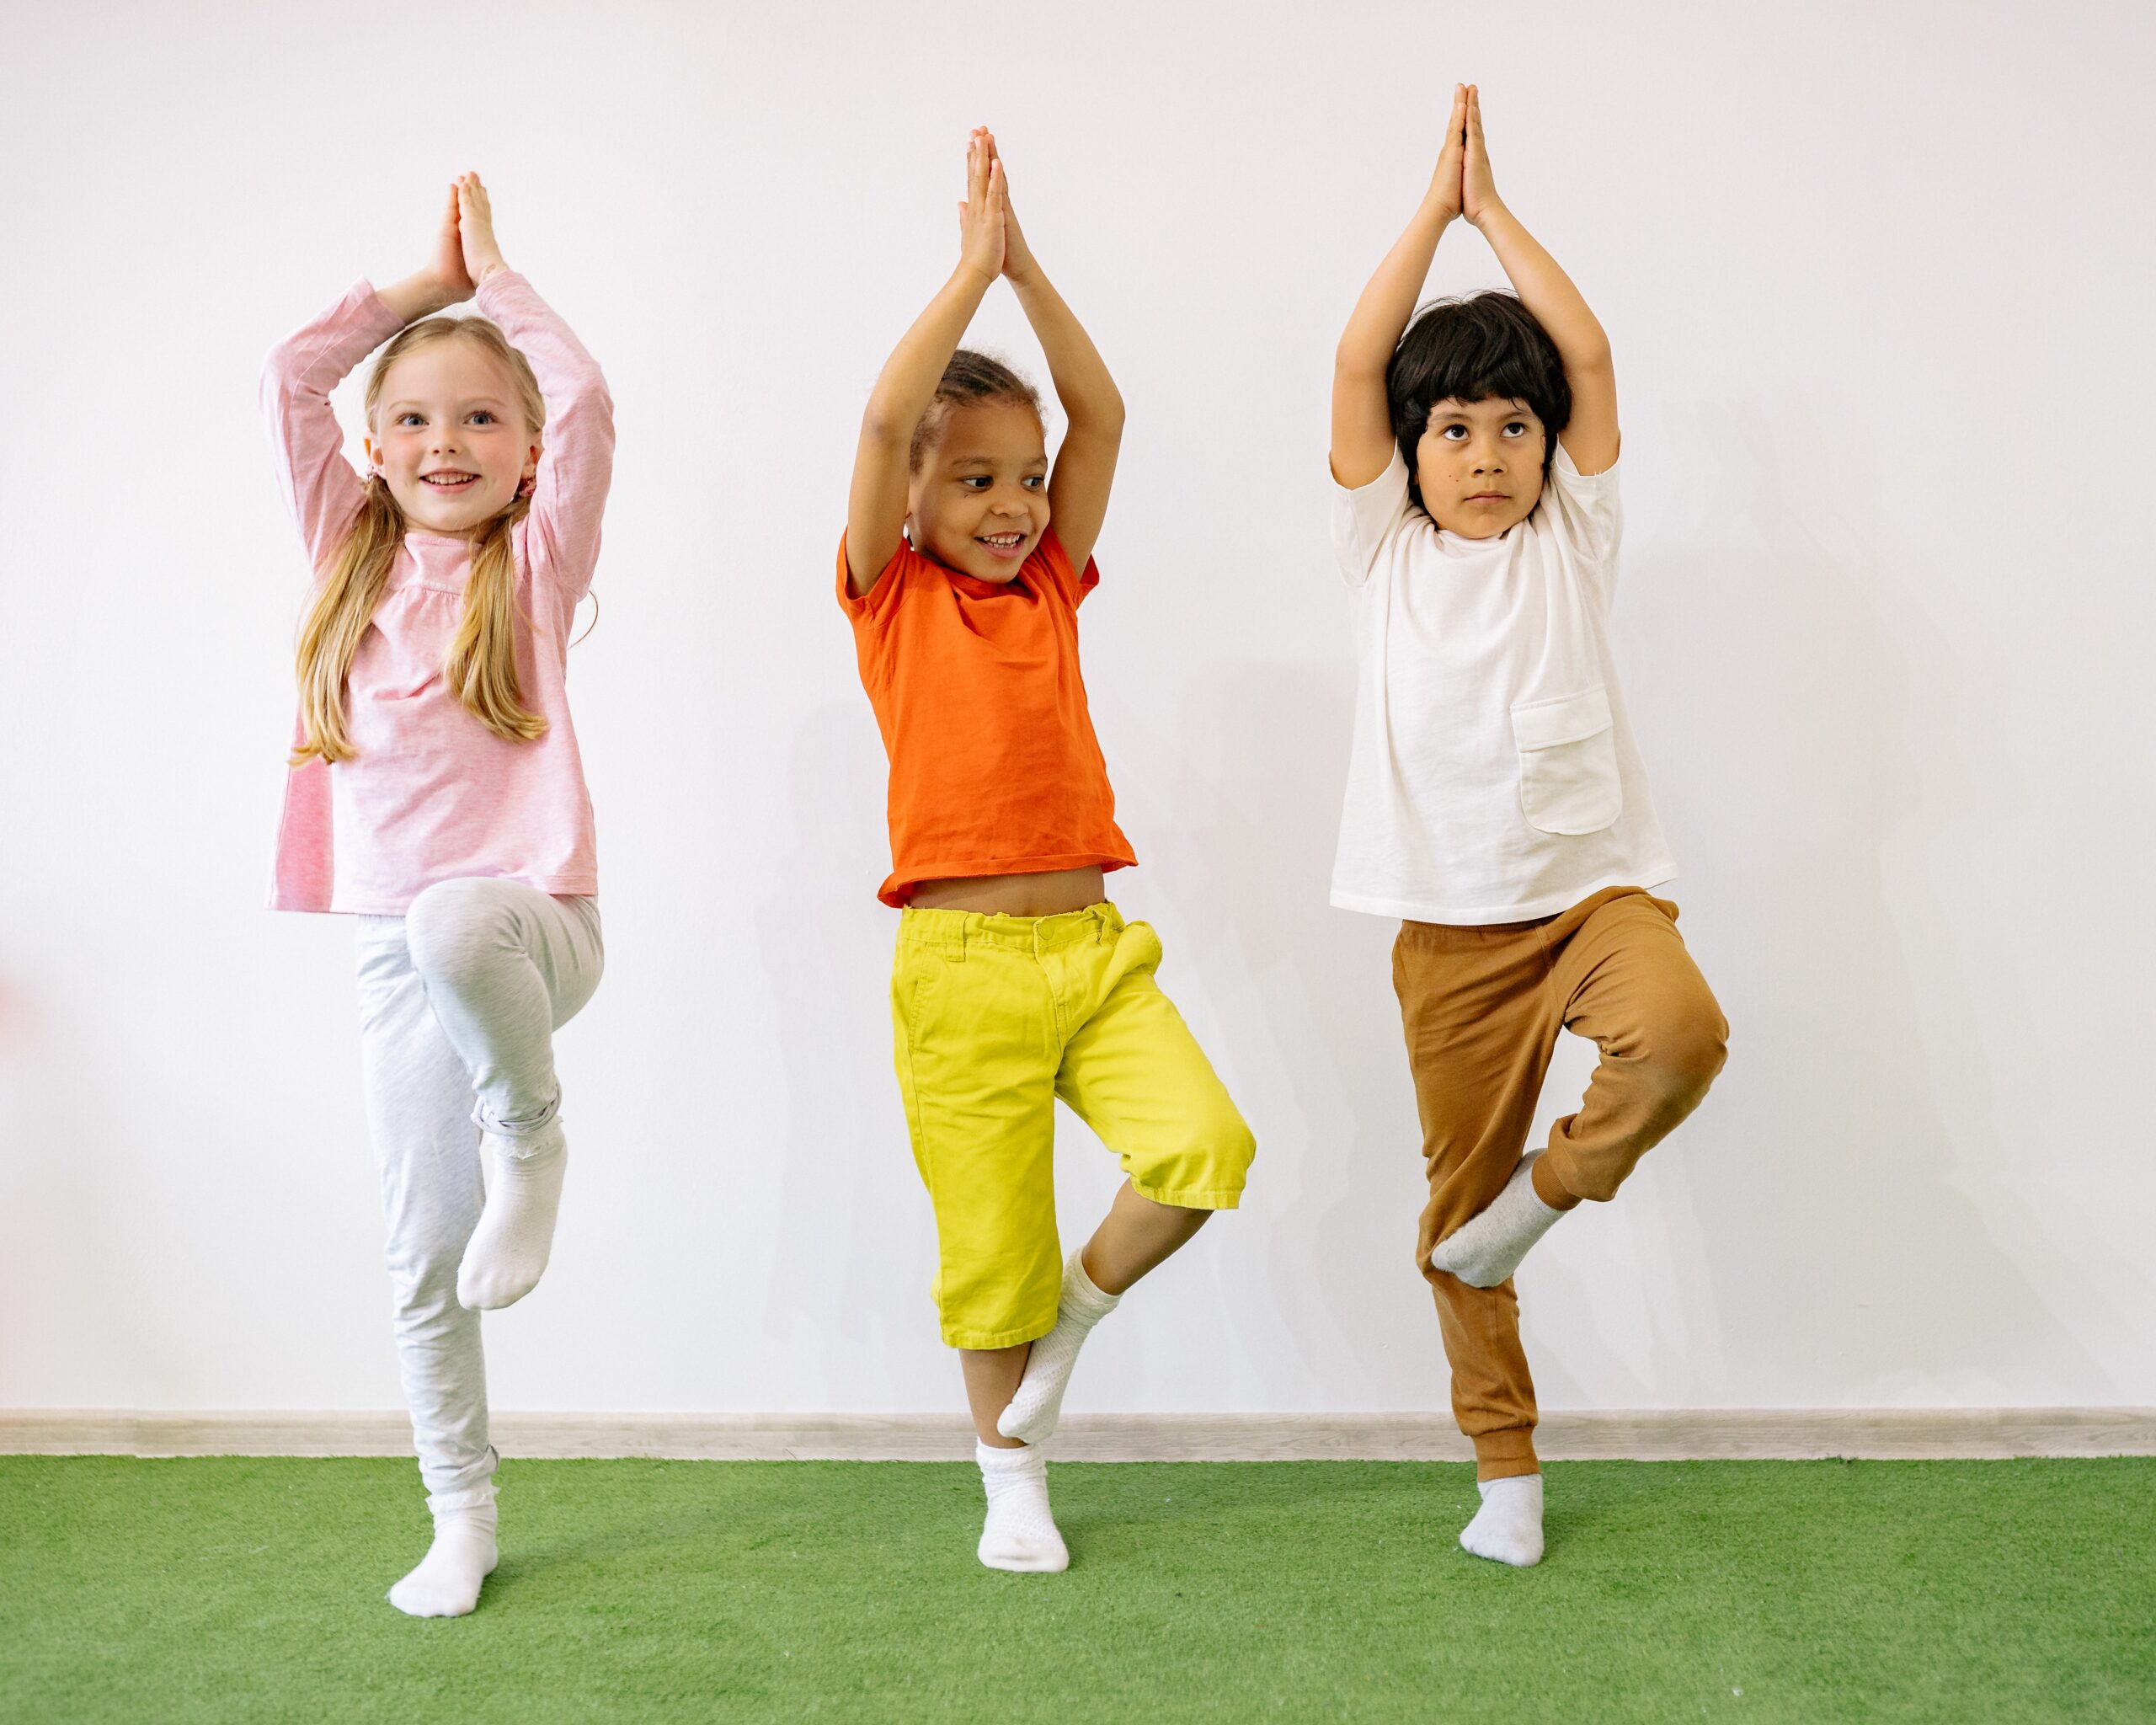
448	481
1001	544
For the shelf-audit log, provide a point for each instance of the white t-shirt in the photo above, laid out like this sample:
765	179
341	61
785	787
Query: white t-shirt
1493	776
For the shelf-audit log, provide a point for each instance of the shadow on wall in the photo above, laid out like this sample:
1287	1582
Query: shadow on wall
1850	1238
1242	821
862	1292
53	1178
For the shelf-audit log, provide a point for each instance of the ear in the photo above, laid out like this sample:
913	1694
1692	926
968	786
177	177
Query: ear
374	454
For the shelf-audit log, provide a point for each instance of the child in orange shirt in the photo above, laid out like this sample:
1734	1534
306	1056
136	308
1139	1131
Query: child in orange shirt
1016	980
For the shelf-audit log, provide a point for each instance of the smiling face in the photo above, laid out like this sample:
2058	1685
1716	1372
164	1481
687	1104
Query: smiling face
1479	465
450	436
978	503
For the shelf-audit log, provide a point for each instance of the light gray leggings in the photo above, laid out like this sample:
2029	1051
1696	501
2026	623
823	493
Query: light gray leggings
459	1001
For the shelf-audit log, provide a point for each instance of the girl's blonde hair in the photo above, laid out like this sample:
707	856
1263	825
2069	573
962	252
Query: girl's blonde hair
481	665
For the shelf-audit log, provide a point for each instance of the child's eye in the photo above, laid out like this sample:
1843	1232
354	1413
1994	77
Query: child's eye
1037	481
1518	426
976	482
1449	429
480	416
410	418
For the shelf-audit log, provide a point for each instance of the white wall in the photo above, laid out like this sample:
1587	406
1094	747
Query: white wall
1878	287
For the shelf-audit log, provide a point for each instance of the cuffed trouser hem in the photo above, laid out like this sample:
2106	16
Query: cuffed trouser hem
475	1498
1505	1455
977	1339
1190	1199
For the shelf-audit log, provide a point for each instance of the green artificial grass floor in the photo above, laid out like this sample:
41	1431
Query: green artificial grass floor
234	1590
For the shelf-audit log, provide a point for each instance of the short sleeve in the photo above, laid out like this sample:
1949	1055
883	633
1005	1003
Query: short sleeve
1366	519
1074	585
1588	509
874	607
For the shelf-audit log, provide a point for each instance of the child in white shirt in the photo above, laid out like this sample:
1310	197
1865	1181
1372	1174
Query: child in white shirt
1496	800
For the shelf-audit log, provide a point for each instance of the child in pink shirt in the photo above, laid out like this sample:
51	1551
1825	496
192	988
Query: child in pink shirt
436	794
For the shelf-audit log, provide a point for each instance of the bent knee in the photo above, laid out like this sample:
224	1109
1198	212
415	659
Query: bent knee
1688	1052
1209	1170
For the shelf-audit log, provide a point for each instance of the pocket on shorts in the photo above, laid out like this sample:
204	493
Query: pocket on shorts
1568	781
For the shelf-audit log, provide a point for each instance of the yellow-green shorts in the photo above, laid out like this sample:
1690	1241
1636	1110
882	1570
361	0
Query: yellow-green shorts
995	1017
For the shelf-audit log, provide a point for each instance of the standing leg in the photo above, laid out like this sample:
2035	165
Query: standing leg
1480	1021
427	1150
973	1041
504	967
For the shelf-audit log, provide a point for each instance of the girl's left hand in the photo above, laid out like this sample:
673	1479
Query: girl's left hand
475	214
1478	192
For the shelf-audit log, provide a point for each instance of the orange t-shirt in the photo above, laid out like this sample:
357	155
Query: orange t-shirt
994	768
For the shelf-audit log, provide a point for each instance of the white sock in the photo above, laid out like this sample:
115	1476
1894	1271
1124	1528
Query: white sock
1020	1532
446	1582
507	1253
1032	1413
1489	1247
1507	1529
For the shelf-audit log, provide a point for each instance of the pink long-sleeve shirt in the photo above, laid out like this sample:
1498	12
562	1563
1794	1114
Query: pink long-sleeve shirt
432	794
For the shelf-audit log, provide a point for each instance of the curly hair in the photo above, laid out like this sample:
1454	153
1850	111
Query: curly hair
969	379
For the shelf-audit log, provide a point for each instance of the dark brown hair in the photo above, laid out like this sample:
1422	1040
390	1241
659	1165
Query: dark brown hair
1482	347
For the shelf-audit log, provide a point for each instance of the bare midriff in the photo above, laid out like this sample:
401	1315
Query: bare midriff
1049	895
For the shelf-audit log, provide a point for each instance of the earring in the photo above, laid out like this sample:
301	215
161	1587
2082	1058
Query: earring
527	485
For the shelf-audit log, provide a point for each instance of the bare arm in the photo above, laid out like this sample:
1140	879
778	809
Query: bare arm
876	505
1590	439
1085	464
1362	419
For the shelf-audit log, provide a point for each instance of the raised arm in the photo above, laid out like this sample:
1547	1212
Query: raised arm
576	462
320	488
1592	437
1092	407
1362	419
876	505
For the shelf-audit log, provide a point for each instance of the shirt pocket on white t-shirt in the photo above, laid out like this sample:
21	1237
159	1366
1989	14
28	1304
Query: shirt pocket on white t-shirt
1568	781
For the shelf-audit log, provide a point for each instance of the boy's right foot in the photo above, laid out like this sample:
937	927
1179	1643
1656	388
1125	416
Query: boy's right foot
1020	1533
1507	1529
1034	1410
1489	1245
446	1582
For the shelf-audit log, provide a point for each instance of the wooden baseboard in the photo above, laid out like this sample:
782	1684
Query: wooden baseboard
1693	1434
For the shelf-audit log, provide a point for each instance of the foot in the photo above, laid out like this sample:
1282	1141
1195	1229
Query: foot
1020	1533
446	1582
1036	1406
1507	1529
1489	1247
507	1252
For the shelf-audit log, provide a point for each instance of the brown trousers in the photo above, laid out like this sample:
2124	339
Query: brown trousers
1482	1008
